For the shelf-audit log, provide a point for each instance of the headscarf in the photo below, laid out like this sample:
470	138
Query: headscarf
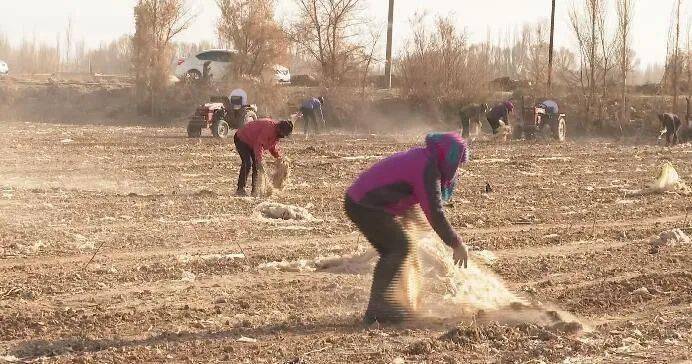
509	105
449	150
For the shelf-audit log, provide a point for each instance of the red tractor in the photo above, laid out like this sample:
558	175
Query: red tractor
220	115
540	119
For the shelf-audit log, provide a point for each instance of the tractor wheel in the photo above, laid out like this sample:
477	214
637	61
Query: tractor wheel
559	130
193	75
220	129
194	131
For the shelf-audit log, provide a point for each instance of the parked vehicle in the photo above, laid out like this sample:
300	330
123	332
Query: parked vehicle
222	114
217	62
192	68
540	119
4	68
281	74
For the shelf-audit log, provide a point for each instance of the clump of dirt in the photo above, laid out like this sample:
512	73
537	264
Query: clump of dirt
275	210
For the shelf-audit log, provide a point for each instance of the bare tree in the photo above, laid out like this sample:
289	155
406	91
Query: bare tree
438	68
157	22
68	40
676	57
625	13
586	25
249	26
327	30
368	53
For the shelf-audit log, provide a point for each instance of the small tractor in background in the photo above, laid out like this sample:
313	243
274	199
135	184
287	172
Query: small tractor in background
221	115
540	119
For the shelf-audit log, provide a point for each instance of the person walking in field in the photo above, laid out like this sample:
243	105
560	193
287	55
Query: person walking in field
423	176
671	125
499	115
251	140
310	109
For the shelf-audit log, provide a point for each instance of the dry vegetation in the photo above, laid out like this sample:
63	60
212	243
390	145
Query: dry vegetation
336	42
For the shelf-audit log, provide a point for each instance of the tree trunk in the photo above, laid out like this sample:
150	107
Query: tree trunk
676	61
592	59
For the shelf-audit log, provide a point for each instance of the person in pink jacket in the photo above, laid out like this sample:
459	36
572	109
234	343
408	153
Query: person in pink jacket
423	176
251	140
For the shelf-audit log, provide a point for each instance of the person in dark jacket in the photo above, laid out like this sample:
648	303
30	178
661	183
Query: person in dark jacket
310	109
251	140
671	123
469	114
549	106
423	176
499	113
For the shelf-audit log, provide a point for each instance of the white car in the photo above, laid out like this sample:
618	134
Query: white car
281	74
4	69
192	68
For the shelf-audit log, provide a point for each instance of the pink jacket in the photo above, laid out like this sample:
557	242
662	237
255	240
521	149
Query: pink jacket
260	134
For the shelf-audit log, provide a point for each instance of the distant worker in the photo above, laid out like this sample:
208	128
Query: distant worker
499	115
310	108
671	126
549	106
423	176
471	114
251	140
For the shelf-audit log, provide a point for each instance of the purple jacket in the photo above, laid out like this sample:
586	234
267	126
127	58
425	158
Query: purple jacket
405	179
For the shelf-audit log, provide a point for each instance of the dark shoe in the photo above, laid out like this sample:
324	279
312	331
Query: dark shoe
369	320
241	193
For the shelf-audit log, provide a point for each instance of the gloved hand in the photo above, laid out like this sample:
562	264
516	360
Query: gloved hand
461	255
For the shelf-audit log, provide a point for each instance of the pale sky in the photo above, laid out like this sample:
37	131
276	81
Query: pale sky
103	20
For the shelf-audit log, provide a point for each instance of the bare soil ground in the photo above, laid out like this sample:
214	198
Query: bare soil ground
163	288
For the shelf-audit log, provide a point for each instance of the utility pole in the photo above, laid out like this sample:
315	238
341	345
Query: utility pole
550	51
388	65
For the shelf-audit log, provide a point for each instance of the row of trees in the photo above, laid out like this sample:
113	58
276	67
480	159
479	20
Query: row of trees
342	45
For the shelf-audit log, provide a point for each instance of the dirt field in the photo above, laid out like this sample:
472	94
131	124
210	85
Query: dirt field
164	286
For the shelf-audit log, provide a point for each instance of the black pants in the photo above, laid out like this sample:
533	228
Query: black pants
389	296
247	159
465	125
309	117
672	131
495	124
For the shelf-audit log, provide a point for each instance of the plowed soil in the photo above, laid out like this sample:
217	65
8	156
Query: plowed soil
168	283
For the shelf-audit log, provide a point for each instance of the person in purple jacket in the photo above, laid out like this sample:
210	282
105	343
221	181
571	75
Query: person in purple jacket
389	189
499	112
310	108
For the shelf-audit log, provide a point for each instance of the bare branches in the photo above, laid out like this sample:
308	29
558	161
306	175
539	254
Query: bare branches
157	22
625	14
328	31
249	26
439	68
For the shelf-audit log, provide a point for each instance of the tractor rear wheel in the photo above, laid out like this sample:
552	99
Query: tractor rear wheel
194	131
559	129
220	129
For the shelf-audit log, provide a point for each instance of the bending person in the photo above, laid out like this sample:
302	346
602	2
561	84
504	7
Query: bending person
389	189
251	140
